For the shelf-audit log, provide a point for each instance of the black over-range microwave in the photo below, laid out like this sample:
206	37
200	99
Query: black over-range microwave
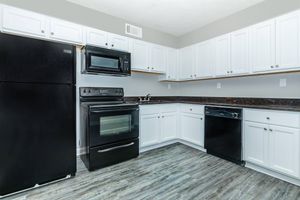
98	60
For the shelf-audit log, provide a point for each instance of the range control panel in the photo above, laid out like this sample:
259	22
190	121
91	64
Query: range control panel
101	92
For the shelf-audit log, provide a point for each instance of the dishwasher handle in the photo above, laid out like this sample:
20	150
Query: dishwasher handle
224	114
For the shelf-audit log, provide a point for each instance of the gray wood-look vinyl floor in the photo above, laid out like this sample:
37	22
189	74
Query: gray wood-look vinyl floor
169	173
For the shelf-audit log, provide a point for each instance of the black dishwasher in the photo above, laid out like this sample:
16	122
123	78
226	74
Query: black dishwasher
223	133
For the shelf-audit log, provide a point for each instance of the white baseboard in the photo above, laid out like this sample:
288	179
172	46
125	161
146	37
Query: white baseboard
80	151
273	174
195	146
148	148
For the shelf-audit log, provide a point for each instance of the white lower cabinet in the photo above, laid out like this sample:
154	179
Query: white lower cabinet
158	123
170	122
168	126
255	143
149	129
283	151
272	145
192	128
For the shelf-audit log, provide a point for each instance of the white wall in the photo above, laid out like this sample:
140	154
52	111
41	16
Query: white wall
265	86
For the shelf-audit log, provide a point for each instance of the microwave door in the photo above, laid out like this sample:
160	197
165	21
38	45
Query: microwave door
103	63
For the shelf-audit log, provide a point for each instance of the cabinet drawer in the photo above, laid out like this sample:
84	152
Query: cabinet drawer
149	109
281	118
167	108
106	155
190	108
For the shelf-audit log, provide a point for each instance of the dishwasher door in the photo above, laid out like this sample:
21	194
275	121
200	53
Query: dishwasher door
223	133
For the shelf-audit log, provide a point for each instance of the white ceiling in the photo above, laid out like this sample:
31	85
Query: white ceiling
176	17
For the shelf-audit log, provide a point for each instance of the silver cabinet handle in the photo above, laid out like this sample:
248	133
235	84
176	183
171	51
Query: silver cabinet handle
52	33
191	109
42	31
115	148
163	117
268	118
152	67
270	130
276	66
265	129
158	117
231	72
272	66
191	76
106	44
201	118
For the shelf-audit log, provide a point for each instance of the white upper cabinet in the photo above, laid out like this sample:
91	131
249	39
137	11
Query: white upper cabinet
205	59
171	64
18	21
104	39
157	58
284	150
118	42
187	62
288	41
96	37
262	46
66	31
240	52
139	55
222	55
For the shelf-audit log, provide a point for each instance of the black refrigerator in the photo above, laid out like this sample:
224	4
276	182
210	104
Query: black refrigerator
37	112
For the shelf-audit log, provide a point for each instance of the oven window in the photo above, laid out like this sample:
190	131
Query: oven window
115	125
103	62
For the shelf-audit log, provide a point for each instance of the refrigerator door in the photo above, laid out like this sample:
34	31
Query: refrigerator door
32	60
37	134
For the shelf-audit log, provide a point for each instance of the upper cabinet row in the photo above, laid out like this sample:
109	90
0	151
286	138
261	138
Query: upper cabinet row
271	46
146	57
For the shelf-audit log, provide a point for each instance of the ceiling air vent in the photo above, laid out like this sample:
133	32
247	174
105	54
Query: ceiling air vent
133	30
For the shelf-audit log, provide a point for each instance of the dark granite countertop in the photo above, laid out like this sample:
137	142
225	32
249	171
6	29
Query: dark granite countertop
259	103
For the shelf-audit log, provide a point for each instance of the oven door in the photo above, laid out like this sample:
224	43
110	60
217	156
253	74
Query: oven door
112	124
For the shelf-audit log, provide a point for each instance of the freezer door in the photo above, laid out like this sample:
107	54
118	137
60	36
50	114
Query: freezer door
37	134
32	60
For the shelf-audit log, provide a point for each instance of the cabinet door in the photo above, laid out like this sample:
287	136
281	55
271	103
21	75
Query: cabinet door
157	58
171	63
66	31
192	128
118	42
205	59
256	143
149	130
284	150
262	46
187	62
223	55
168	126
23	22
240	52
288	41
139	55
96	37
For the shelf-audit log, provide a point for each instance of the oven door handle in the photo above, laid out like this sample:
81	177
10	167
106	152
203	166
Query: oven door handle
115	148
114	110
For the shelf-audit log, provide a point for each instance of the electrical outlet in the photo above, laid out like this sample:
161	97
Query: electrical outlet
219	85
282	82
